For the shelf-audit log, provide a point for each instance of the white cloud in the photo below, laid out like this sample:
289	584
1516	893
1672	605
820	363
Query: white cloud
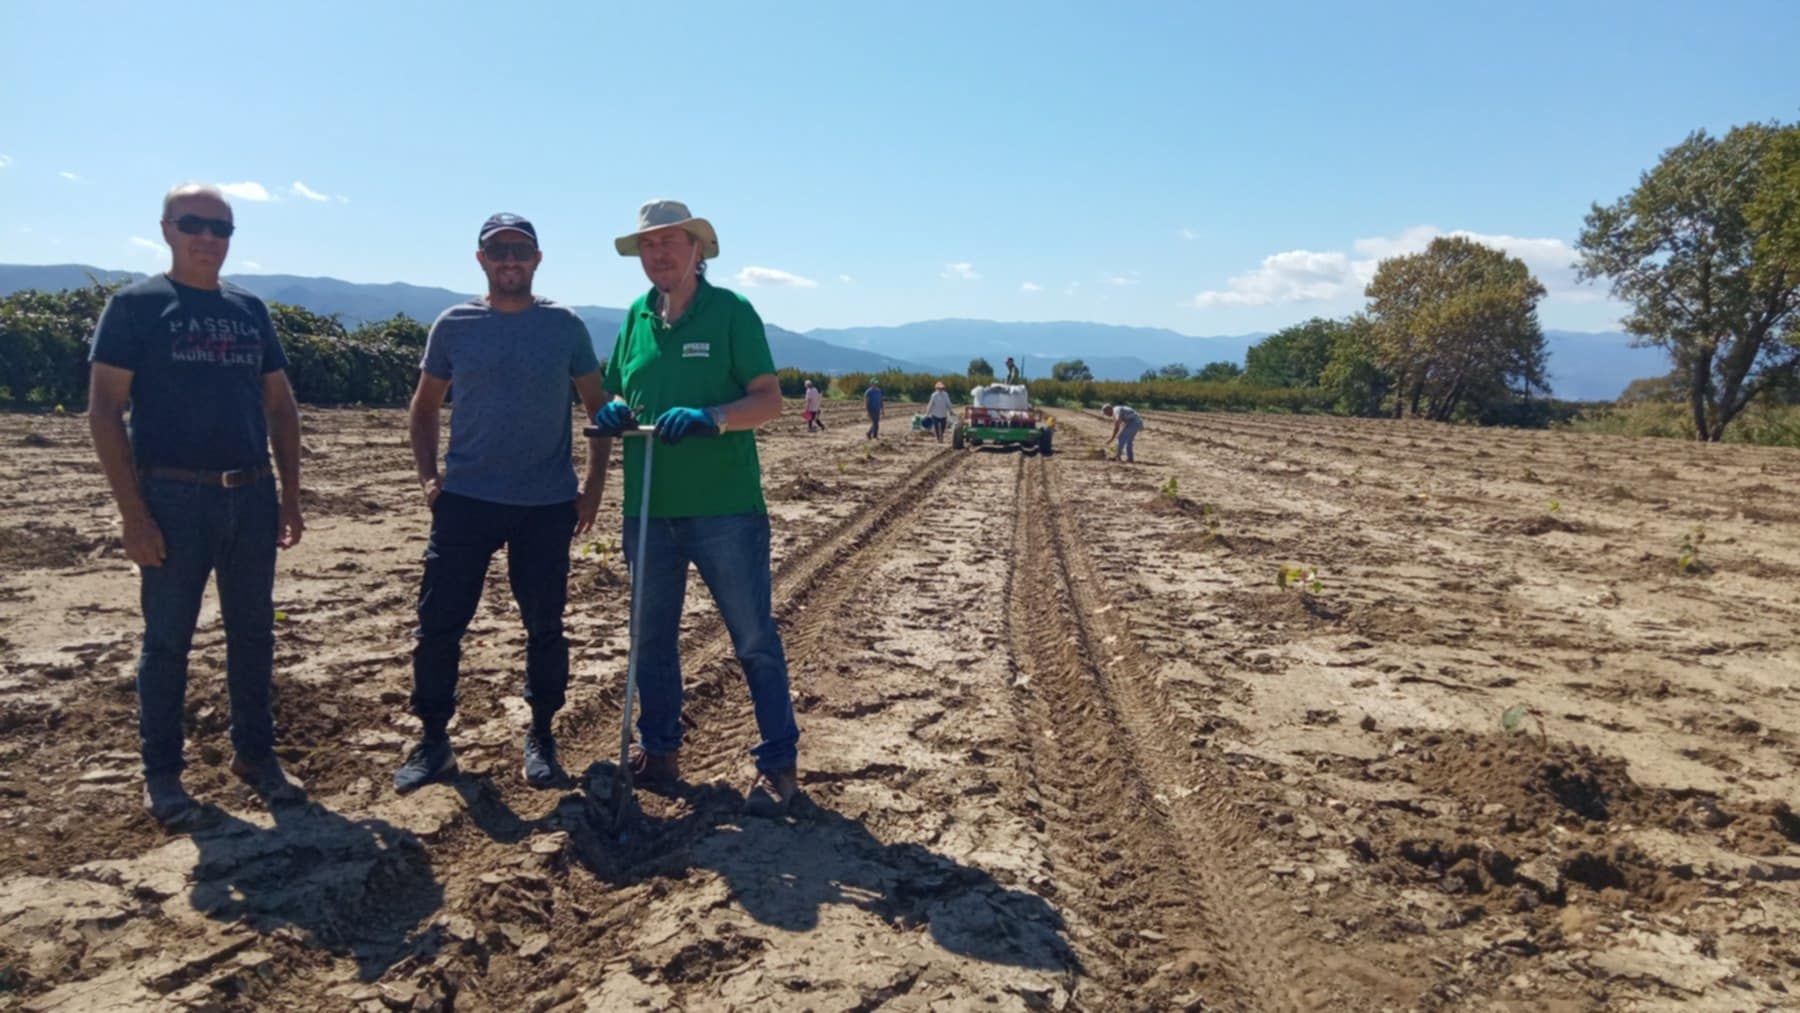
1324	276
308	192
1120	280
846	279
5	160
1031	286
71	177
1073	288
1294	276
961	272
758	277
1187	234
246	191
146	244
252	265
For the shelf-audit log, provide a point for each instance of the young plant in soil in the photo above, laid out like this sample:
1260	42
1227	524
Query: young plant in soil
1304	579
1687	554
1512	721
1170	490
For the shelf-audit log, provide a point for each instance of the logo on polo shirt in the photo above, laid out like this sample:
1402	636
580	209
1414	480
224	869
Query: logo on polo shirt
696	350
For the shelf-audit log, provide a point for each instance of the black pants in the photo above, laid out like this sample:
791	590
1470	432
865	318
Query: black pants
874	425
937	426
465	533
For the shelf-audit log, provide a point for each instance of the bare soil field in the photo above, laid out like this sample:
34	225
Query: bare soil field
1066	741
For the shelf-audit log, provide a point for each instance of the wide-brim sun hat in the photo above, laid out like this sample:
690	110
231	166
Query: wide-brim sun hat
662	214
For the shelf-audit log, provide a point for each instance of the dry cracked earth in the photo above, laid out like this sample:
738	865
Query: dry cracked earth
1067	741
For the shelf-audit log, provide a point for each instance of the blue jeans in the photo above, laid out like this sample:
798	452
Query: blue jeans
732	554
1126	437
465	534
229	534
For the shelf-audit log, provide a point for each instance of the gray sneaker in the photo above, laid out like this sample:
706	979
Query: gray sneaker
428	761
268	780
541	768
172	807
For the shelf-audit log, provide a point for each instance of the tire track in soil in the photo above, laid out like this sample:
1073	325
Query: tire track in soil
1220	928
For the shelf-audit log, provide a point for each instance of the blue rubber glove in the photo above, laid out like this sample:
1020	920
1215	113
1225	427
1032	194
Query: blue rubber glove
614	419
677	424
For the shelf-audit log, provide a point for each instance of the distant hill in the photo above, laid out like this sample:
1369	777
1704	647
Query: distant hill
1111	351
1583	366
356	302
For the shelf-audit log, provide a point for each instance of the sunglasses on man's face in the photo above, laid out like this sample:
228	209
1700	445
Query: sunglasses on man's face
193	225
509	251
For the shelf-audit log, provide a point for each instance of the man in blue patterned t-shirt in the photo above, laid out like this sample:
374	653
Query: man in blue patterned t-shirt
198	362
506	360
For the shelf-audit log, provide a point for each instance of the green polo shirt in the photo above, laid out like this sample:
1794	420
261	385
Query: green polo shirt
707	358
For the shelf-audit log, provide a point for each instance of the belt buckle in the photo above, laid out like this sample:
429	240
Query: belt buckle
237	478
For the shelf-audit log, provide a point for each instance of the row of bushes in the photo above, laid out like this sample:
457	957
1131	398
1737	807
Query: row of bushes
45	338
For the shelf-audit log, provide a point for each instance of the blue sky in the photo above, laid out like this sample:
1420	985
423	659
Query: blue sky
1212	169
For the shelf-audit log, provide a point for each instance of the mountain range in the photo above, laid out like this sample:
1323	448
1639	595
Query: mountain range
1583	365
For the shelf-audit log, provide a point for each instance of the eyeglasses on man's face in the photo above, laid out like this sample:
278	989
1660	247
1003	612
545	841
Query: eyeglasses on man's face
502	251
193	225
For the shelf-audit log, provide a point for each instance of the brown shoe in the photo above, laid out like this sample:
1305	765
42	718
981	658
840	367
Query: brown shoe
654	770
773	793
268	780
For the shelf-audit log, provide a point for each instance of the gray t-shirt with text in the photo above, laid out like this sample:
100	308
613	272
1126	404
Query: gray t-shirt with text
509	373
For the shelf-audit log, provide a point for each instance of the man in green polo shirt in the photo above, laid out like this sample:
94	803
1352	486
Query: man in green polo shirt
695	359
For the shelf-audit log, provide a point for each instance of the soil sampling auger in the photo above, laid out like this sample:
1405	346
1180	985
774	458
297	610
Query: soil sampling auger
621	788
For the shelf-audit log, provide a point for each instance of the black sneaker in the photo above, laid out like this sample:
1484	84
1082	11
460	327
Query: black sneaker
541	768
428	761
172	807
268	780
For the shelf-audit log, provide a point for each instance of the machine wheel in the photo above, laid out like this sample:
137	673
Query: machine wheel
956	438
1044	441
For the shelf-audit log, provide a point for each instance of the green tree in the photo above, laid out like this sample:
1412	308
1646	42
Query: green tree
1704	251
1355	382
1071	371
1173	371
1293	356
980	370
1457	327
44	341
1219	372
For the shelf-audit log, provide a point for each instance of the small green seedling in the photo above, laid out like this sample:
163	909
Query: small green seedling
1687	558
280	616
1555	505
1305	578
602	548
1512	720
1209	513
1170	490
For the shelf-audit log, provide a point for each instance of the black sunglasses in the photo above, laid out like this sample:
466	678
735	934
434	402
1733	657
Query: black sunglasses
509	251
193	225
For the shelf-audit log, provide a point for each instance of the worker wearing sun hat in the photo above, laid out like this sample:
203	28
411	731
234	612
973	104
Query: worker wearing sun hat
937	410
695	359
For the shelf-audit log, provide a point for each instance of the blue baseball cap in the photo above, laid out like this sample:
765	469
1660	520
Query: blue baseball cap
504	222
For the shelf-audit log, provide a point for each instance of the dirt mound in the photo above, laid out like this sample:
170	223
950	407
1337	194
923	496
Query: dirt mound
1176	506
43	546
801	486
1531	527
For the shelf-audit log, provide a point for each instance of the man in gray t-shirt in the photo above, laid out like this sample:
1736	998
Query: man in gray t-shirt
506	362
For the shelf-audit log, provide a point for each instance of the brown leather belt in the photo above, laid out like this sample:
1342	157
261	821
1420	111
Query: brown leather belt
235	479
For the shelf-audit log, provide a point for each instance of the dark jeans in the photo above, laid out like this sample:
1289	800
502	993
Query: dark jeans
229	534
465	534
732	554
874	425
937	426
